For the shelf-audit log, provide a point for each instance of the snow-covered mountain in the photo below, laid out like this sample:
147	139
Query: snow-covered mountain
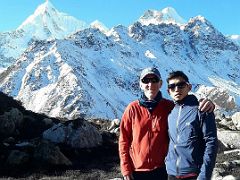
235	38
167	15
46	23
95	73
99	25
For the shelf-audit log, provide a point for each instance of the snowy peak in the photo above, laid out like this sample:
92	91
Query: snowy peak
99	25
45	8
47	23
199	19
167	15
235	38
201	26
170	14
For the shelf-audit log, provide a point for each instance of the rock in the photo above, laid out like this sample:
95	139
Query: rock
114	127
226	122
227	164
219	115
229	177
16	116
47	153
231	151
17	158
9	140
216	173
222	147
7	126
219	96
48	122
229	138
33	127
236	120
9	121
77	134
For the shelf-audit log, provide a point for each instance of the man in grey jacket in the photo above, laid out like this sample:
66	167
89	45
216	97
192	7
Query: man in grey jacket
193	135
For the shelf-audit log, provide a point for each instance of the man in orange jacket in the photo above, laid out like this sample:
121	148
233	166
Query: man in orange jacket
143	141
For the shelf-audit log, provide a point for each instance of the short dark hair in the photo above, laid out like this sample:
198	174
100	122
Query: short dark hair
175	74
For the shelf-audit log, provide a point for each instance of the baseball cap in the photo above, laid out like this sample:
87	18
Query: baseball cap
150	70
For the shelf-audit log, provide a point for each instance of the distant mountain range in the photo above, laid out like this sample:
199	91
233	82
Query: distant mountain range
46	23
65	68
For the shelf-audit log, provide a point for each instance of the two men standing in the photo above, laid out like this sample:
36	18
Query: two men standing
144	138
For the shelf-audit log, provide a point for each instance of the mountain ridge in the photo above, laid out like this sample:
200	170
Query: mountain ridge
95	73
167	15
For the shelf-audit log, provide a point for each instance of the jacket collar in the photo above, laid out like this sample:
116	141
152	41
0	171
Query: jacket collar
150	104
189	100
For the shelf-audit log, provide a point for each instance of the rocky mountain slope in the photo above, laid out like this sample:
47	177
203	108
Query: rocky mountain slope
95	73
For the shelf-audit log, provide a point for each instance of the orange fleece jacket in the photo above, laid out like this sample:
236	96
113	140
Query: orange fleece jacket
143	141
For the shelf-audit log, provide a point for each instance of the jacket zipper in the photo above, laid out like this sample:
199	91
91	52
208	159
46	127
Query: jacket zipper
178	138
149	136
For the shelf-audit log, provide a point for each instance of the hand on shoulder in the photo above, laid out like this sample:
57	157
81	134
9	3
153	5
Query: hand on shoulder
206	105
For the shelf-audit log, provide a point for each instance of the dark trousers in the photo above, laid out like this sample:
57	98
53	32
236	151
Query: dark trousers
170	177
156	174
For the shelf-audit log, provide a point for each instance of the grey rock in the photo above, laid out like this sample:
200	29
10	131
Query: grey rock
47	152
82	135
229	138
17	158
236	120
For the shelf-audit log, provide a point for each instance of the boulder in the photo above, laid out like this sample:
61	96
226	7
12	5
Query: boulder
229	138
17	158
48	153
236	120
76	133
219	96
9	121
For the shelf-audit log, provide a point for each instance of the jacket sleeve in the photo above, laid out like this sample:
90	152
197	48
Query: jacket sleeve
125	139
211	145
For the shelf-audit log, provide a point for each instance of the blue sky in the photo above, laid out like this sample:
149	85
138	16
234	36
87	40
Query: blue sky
223	14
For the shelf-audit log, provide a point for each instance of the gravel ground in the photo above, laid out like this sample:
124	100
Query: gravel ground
230	162
102	163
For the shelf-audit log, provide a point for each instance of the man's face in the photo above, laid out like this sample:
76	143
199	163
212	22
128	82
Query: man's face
150	85
178	88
